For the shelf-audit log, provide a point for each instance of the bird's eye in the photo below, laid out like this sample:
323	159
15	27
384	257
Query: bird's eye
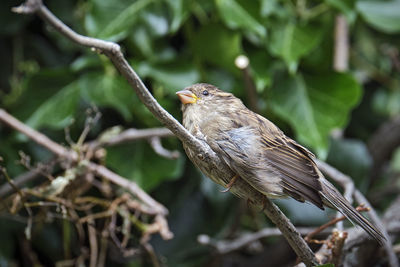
205	92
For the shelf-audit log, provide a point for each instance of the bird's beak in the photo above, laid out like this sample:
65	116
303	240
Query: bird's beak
187	97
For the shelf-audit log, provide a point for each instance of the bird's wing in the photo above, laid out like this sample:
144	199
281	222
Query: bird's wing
271	162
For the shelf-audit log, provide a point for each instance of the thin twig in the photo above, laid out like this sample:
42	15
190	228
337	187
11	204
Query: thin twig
153	257
92	243
229	245
155	143
21	194
132	187
310	235
39	138
131	135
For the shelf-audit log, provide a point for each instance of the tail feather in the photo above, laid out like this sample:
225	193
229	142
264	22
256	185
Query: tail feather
333	198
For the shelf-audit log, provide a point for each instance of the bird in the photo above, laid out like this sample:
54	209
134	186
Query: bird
258	152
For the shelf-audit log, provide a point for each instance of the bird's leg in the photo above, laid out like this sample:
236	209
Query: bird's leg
230	184
264	202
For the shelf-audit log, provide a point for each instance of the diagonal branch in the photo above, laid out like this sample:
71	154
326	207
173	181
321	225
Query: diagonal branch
219	169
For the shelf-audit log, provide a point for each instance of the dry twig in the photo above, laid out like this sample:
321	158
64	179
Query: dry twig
227	246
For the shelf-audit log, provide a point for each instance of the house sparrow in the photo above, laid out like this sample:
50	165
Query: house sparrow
258	152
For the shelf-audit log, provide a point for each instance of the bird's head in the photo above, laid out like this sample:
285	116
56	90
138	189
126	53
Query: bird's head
203	94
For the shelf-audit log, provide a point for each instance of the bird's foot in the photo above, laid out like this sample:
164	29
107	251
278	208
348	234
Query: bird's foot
264	202
230	184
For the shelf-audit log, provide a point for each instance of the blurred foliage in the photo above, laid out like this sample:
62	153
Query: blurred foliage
48	82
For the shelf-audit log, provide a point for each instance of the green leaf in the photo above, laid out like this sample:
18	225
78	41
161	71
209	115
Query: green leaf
85	62
346	7
108	90
236	17
156	20
382	15
172	77
315	105
291	100
387	102
292	41
137	162
261	65
38	88
179	13
326	265
395	162
268	7
110	20
222	51
57	111
352	157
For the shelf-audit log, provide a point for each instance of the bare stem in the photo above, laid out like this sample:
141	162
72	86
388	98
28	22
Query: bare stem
341	55
289	231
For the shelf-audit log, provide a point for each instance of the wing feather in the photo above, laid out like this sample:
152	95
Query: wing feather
260	159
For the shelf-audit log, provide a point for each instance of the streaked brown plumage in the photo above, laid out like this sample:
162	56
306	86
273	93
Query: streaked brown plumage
259	152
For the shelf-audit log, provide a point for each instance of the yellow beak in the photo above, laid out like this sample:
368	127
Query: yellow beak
187	97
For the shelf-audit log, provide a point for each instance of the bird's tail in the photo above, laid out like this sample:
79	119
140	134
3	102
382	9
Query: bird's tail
333	198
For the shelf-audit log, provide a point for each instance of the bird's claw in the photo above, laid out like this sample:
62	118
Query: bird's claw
230	184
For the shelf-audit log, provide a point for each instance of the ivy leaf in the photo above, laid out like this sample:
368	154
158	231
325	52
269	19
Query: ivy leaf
106	90
346	7
179	13
292	41
351	156
110	20
236	17
315	105
172	77
57	111
382	15
137	163
222	51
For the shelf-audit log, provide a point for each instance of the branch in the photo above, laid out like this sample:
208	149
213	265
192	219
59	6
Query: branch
22	179
129	136
36	136
344	180
155	143
227	246
289	231
382	144
219	169
72	156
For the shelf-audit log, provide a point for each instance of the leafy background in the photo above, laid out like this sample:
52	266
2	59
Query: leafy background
48	82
